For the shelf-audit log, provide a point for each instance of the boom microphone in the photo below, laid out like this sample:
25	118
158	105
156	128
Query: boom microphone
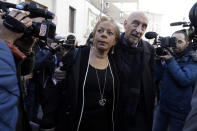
32	7
151	35
5	5
36	11
177	23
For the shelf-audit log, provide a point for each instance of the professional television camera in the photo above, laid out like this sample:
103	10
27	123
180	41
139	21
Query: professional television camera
162	43
44	31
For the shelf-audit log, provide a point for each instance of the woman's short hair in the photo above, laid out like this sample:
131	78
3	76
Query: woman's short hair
102	19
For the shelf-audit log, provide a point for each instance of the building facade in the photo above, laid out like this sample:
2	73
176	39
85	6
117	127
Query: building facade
79	17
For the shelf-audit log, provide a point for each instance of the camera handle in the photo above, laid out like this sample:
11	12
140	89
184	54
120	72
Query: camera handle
13	24
155	42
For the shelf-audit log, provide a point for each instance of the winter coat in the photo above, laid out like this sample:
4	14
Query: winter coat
23	68
177	77
9	90
66	102
44	66
190	123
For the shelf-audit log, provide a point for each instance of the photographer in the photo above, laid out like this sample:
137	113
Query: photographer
10	91
177	74
25	67
69	45
43	78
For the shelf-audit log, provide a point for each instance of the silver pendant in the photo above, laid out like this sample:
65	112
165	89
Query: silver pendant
102	102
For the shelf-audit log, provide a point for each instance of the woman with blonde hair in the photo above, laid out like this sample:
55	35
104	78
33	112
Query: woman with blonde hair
88	95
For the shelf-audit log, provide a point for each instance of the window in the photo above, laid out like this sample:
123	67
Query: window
72	13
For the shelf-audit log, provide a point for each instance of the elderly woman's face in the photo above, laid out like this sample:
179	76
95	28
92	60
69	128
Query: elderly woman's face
105	36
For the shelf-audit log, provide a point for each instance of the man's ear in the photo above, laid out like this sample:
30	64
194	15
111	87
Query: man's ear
125	24
187	43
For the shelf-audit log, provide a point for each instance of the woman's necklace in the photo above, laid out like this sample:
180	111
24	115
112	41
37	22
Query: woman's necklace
102	100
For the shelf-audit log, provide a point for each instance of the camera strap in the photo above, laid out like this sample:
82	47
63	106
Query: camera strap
13	24
16	52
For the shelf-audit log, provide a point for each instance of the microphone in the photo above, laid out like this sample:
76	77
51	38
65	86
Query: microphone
151	35
4	5
176	23
32	7
36	11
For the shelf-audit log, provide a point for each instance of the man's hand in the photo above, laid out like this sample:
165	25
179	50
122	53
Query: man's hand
21	16
59	74
1	15
167	56
8	35
54	45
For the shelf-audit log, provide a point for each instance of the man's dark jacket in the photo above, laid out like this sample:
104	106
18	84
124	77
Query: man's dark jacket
190	123
136	71
23	68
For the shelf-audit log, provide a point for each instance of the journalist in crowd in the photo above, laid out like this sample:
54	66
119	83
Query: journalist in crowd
10	92
177	73
190	122
45	63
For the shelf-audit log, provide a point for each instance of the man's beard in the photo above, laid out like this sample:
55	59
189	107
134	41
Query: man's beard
177	51
131	42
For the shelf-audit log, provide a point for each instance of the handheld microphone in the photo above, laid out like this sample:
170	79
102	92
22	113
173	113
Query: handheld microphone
151	35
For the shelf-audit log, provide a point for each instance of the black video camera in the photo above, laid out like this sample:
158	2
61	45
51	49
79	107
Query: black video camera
67	43
162	43
44	30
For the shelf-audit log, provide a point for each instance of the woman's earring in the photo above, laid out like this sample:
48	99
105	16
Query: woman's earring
112	52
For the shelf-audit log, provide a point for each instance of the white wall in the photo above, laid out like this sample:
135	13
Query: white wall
62	12
81	19
49	3
13	1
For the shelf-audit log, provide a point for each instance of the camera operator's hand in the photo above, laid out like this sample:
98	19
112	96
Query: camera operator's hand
10	36
54	45
1	15
59	74
167	56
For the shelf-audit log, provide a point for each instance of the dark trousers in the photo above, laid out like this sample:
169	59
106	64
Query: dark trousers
163	122
31	101
140	122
